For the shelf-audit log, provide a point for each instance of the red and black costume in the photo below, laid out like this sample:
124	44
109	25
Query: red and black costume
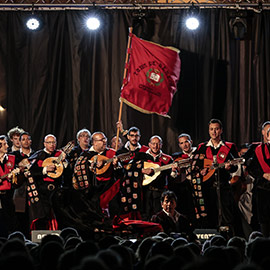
7	210
72	159
99	189
152	192
126	149
40	189
225	151
20	198
129	198
259	165
182	188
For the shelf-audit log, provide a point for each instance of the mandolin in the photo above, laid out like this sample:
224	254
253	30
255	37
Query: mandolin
208	163
57	161
106	162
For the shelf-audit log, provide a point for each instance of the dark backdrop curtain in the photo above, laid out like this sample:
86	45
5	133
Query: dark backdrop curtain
64	77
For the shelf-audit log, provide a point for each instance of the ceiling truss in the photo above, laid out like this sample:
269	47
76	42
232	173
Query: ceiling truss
118	4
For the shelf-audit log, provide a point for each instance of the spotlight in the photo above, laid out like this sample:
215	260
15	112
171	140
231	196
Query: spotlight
192	21
33	23
93	23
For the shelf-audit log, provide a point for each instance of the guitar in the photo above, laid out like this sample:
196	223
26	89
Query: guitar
147	179
106	162
57	161
208	163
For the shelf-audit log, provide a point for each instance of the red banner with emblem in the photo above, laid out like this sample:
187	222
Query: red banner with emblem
152	75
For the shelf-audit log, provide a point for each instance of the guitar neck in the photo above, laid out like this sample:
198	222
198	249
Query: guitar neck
235	161
122	157
180	164
4	176
59	158
65	150
163	168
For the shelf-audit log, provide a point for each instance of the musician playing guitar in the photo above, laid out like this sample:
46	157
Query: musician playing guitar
20	196
43	216
217	194
179	183
259	168
7	211
94	177
153	191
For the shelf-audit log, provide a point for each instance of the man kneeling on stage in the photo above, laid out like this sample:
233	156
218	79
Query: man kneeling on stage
169	218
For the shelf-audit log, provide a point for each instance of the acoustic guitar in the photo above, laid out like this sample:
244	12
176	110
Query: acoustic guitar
57	161
106	162
180	163
208	163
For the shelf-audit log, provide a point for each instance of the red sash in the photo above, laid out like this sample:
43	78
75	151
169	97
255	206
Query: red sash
259	153
222	152
9	165
144	149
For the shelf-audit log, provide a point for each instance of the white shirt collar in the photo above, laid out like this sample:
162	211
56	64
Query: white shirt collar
13	148
127	146
5	157
191	152
210	143
148	152
25	153
46	151
175	217
93	150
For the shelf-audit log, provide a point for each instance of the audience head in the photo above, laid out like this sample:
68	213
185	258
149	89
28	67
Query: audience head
68	232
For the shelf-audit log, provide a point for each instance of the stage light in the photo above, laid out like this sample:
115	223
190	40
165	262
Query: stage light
192	23
93	23
192	20
33	23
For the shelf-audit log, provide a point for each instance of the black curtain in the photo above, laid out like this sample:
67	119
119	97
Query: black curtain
64	77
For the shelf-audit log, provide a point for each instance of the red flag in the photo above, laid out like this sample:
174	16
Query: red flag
152	75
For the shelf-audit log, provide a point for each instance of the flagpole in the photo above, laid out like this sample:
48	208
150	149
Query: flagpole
124	76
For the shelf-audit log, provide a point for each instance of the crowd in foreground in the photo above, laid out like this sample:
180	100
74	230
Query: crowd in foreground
68	251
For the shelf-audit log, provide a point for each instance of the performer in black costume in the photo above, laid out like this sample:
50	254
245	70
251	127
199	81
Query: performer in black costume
221	209
259	168
41	186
